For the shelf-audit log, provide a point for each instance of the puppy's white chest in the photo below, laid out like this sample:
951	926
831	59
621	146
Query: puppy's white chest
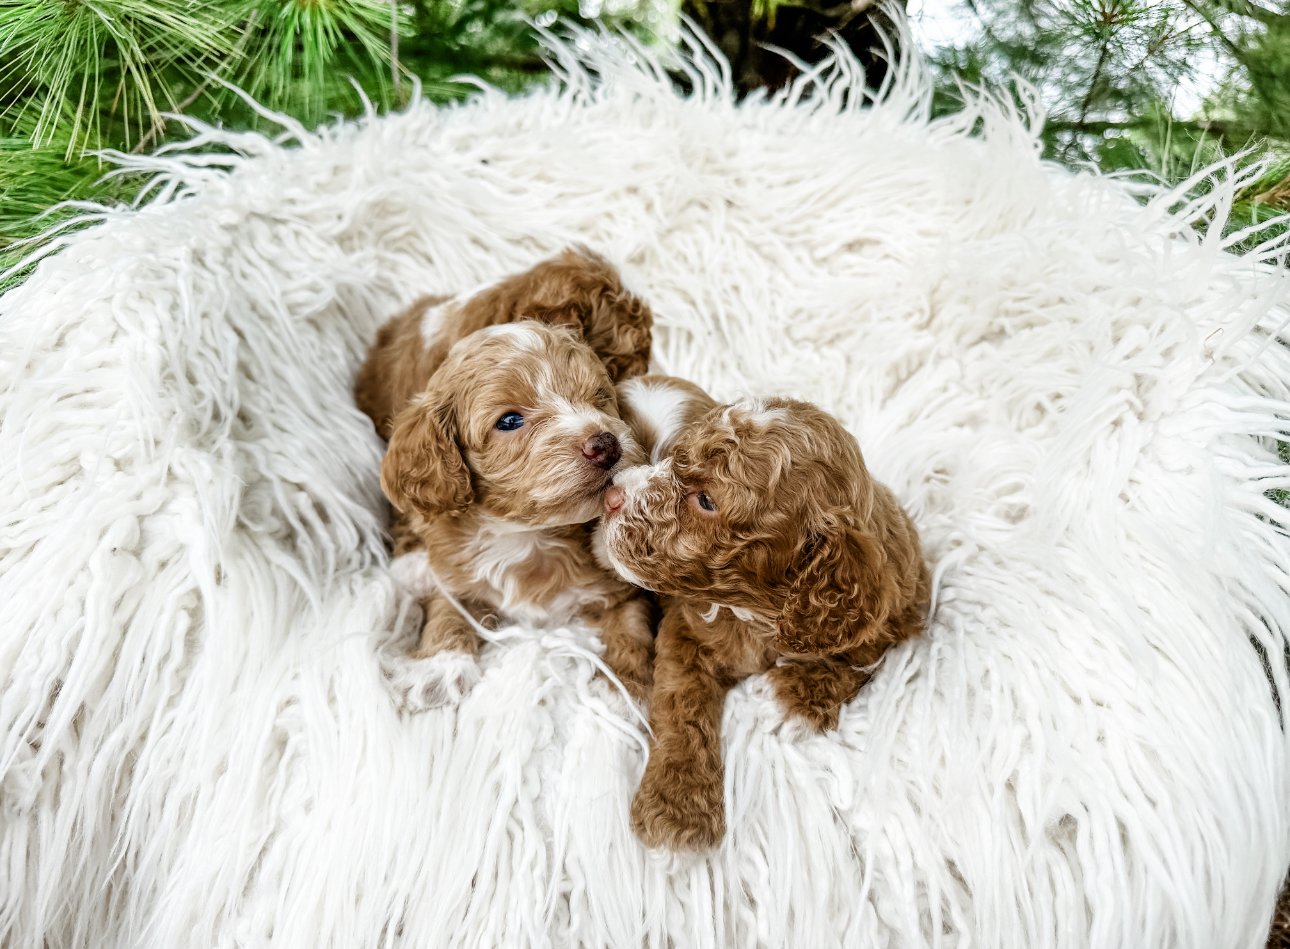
535	578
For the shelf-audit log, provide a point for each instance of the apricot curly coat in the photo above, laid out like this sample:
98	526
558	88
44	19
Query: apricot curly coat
776	552
577	288
504	518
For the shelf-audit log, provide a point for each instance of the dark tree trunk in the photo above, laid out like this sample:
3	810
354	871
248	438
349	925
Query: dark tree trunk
1279	937
742	30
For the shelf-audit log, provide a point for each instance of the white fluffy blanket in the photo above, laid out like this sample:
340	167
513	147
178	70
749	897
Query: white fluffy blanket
1074	395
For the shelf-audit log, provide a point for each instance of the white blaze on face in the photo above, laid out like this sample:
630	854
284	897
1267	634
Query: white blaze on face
578	419
632	480
661	407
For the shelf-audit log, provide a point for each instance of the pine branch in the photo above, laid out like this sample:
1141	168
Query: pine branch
1217	127
396	79
159	125
1253	11
1219	33
1087	102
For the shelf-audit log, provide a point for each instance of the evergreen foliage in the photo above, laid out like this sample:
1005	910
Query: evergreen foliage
1166	86
81	76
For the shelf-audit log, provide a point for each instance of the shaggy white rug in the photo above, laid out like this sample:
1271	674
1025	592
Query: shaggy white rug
1074	395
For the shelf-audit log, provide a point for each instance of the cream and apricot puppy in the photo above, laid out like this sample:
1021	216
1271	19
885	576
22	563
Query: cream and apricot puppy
498	468
775	552
502	435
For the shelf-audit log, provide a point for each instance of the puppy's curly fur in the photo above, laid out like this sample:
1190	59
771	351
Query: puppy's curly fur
503	514
775	552
578	289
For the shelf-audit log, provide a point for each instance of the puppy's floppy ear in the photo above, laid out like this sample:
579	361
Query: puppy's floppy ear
423	470
616	323
587	292
576	288
844	590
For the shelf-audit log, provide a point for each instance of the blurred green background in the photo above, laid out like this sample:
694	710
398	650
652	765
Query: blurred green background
1164	87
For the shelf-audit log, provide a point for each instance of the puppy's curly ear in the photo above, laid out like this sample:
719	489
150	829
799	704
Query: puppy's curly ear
615	322
423	470
577	288
853	586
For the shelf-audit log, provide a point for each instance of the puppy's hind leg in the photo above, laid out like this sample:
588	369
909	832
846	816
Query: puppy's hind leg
444	665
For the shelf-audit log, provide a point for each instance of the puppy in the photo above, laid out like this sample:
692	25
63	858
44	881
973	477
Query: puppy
775	552
577	288
502	436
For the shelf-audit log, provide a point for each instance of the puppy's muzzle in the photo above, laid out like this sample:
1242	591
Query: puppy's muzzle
615	498
602	450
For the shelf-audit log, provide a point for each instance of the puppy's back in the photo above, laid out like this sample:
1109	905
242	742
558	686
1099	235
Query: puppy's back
399	364
576	288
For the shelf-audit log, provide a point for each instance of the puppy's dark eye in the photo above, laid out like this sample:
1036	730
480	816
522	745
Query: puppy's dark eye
705	502
510	422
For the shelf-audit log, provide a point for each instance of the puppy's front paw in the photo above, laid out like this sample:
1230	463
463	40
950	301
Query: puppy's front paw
807	703
419	684
679	816
411	571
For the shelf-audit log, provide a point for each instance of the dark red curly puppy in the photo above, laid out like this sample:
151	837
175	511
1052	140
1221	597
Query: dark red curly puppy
776	552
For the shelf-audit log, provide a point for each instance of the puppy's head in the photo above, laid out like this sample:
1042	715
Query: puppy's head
520	420
767	507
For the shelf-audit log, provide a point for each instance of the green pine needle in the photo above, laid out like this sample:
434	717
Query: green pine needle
33	181
90	72
297	54
79	75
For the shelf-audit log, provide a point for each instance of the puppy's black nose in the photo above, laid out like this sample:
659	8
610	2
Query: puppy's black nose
602	450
